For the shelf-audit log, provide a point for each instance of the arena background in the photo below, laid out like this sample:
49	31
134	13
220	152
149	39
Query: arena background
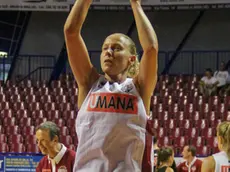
192	37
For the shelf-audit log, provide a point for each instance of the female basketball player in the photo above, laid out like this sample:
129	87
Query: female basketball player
220	162
112	116
165	159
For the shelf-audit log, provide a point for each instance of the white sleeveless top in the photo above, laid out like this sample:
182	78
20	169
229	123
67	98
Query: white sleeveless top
111	129
222	162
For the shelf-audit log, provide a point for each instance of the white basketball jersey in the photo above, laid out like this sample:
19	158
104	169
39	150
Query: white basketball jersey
111	129
222	162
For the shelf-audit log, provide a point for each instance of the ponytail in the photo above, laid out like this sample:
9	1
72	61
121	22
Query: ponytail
133	69
223	130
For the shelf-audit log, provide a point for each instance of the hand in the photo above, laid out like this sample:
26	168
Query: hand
133	1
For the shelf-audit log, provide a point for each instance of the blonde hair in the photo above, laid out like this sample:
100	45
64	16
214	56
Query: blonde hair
223	130
133	69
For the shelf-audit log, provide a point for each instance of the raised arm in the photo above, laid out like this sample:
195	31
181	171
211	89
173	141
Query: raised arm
77	52
79	60
147	76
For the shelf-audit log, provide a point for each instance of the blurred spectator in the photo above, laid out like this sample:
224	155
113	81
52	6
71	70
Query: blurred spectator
222	76
156	150
57	156
208	83
165	159
191	163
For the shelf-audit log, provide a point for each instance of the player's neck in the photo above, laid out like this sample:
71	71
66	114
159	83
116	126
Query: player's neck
116	78
165	164
190	159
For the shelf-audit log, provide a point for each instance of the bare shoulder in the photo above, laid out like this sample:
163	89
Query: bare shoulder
208	164
169	169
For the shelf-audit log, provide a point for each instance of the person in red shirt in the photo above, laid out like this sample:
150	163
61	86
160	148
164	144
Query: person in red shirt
57	156
192	164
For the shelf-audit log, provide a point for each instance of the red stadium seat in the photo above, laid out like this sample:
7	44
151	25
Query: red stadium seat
197	142
4	105
174	108
2	130
59	122
192	132
4	147
25	122
208	132
203	123
22	113
15	139
176	133
38	121
161	132
2	97
3	138
61	99
203	151
156	123
212	142
46	98
30	139
43	91
163	115
75	139
48	106
66	107
185	124
180	142
17	148
64	131
9	121
7	113
56	84
227	116
58	91
227	101
53	114
35	106
66	140
31	98
72	147
19	106
28	91
164	141
15	98
189	108
38	114
32	148
69	115
28	130
12	130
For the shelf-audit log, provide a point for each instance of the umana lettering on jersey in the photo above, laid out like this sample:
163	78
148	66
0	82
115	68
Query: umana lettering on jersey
113	102
225	168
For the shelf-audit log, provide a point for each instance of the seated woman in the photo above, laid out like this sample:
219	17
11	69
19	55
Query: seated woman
208	84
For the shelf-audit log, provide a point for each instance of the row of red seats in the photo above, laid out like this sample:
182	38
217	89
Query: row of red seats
182	141
194	115
39	92
190	132
212	100
33	98
64	106
21	148
31	139
15	127
185	124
